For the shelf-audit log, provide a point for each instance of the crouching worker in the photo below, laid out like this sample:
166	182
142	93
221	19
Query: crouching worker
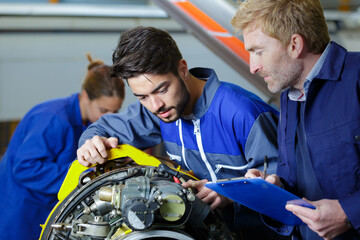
216	129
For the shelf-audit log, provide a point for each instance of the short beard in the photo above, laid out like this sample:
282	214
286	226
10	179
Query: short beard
288	75
180	107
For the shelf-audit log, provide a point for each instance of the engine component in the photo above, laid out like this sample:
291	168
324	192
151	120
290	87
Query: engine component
97	228
133	202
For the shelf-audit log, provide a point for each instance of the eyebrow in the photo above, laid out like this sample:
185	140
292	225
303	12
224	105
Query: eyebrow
249	49
154	90
104	109
253	47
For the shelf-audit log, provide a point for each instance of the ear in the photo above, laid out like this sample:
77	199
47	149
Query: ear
296	46
85	96
183	69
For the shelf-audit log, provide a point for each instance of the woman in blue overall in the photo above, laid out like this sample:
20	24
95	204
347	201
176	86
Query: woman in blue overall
43	146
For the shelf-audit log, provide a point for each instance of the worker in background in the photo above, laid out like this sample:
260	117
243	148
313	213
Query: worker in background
319	127
42	148
216	129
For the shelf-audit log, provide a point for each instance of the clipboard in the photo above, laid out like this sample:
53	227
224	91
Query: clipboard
261	196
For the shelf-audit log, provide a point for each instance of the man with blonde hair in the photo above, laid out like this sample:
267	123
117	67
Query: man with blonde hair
319	127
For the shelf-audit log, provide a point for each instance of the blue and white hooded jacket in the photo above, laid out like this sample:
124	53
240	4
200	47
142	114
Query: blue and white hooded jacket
230	131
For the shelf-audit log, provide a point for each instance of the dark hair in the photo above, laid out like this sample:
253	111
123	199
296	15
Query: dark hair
145	50
98	81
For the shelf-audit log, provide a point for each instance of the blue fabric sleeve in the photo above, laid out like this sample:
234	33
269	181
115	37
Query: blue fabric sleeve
350	205
282	229
261	141
44	154
135	126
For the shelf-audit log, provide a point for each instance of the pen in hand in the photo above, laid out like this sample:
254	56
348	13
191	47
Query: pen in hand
265	166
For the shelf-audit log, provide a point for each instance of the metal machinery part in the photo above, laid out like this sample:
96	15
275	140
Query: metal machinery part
133	202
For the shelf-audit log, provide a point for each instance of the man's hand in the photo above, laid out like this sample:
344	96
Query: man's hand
254	173
207	195
94	150
328	220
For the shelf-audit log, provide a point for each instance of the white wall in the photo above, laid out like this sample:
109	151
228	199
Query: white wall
37	66
350	39
40	65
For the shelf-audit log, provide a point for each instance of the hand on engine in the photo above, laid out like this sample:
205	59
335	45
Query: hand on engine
207	195
93	151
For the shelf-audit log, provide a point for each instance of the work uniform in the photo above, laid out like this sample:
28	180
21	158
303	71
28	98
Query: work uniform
35	164
229	131
319	138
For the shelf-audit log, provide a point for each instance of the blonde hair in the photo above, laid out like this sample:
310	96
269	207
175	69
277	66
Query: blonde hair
98	82
281	19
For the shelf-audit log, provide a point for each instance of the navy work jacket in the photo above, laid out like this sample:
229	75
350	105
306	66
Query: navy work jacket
332	128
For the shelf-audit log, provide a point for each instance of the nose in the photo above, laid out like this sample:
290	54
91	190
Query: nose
254	65
156	103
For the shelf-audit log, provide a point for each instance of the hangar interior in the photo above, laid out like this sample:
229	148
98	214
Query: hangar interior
43	45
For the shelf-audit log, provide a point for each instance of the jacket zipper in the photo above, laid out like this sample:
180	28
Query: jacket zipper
220	166
201	149
179	123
